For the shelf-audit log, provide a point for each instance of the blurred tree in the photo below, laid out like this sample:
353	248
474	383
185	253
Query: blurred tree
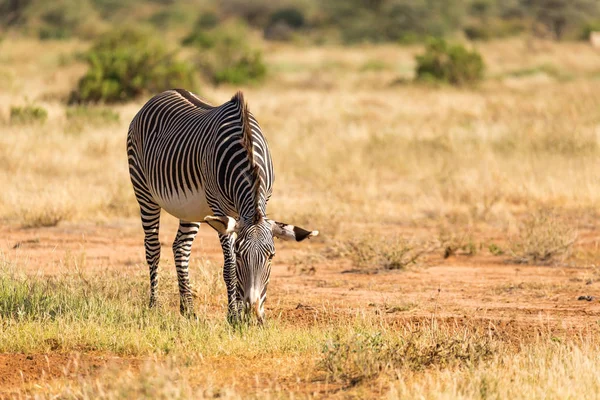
256	13
283	23
397	20
12	11
560	15
125	64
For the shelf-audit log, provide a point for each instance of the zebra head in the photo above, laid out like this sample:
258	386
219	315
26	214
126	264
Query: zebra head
254	250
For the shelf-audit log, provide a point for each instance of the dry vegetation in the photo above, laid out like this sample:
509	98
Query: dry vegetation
393	174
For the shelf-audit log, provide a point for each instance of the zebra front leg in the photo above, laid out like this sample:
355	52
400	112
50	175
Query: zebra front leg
150	223
182	248
230	277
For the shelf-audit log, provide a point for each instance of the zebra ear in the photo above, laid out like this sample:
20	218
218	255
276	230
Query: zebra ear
223	225
290	232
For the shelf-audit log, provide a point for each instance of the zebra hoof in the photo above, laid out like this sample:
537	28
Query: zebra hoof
234	318
187	311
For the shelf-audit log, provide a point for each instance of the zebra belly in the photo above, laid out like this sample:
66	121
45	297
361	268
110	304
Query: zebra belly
191	207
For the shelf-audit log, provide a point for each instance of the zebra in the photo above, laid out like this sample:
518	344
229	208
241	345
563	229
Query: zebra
204	163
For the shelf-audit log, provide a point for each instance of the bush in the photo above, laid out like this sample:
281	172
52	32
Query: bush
225	55
28	114
371	254
588	28
201	34
128	63
452	64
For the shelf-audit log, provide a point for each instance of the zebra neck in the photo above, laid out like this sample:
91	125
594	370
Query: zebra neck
250	213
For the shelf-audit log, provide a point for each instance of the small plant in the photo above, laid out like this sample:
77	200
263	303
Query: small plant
379	253
453	64
454	244
543	239
495	250
124	64
28	114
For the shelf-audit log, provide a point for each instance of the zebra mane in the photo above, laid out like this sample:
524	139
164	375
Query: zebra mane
249	146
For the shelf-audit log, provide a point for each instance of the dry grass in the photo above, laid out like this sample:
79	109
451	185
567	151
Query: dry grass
365	356
378	153
543	239
376	253
544	370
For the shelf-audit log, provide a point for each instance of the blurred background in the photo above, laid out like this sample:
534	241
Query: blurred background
309	22
461	115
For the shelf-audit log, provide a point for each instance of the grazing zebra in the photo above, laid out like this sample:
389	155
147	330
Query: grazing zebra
207	164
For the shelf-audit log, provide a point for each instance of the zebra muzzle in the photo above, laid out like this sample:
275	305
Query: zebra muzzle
256	311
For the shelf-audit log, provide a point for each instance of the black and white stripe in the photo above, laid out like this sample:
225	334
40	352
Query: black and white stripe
204	163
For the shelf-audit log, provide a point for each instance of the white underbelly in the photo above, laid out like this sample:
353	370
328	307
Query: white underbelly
188	206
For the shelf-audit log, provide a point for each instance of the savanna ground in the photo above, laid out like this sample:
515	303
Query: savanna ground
458	236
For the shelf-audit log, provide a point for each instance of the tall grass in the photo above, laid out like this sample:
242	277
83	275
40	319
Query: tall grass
109	312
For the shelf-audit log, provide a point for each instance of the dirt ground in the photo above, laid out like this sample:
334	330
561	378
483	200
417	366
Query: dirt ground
510	298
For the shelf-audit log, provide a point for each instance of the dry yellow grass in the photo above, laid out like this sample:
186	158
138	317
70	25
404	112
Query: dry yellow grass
339	135
358	153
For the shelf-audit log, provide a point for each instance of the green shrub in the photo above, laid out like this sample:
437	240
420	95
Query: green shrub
588	28
201	34
225	56
28	114
447	63
128	63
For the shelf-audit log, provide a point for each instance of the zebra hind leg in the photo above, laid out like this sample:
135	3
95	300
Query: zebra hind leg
151	223
182	247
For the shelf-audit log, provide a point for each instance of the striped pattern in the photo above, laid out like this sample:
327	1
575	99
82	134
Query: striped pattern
195	160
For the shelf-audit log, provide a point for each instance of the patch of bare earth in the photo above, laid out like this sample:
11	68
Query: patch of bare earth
515	301
22	372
